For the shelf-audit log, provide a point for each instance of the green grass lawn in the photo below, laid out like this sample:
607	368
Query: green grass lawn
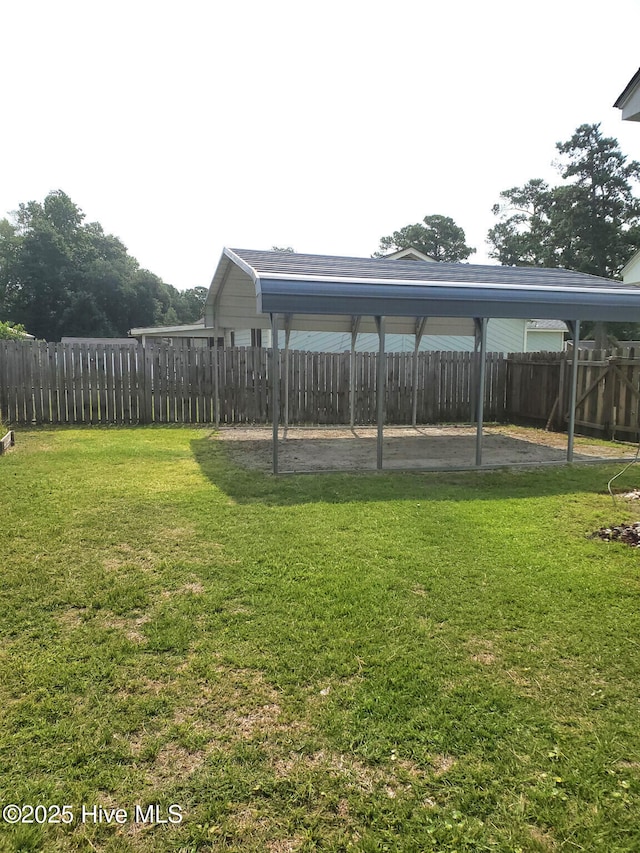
395	662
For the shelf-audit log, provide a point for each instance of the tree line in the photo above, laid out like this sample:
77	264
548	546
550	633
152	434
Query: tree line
60	275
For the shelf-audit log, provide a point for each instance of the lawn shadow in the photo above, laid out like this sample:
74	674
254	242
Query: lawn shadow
244	485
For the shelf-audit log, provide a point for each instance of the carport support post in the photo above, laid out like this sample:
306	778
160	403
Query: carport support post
421	322
574	326
380	389
216	379
355	326
287	334
275	388
481	328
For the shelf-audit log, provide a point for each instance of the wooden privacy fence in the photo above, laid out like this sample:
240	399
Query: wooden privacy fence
608	392
46	383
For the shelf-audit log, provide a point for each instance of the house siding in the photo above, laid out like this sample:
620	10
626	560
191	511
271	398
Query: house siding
631	273
544	341
502	336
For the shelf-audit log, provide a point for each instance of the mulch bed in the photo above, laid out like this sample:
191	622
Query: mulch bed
627	533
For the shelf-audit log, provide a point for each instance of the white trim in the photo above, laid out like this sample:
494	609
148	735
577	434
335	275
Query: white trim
167	330
244	266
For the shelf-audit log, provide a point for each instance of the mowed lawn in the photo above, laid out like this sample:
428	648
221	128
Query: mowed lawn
388	662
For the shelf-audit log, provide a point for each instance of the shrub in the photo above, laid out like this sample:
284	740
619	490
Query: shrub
11	332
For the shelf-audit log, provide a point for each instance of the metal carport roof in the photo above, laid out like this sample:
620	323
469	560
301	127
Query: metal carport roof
325	292
288	283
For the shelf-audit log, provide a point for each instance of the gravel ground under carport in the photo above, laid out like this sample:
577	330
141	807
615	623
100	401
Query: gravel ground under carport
405	448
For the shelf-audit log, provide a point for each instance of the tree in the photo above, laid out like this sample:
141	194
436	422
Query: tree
190	305
606	214
9	243
9	332
62	276
589	223
437	236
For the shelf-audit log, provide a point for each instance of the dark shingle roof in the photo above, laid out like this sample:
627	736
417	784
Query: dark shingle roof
388	269
292	283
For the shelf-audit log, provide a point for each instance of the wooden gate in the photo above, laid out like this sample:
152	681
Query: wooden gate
608	397
608	391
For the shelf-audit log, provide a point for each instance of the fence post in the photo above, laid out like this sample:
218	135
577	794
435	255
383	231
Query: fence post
147	372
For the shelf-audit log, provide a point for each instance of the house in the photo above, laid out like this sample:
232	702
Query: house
629	99
188	335
502	336
253	329
631	271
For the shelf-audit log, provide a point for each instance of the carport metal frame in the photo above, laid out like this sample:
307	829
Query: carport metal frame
289	285
481	350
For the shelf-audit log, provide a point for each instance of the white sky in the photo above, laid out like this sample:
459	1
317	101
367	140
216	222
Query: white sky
183	127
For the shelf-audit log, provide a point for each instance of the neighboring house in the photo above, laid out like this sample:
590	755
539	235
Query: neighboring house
188	335
502	336
629	100
252	329
631	272
544	336
410	254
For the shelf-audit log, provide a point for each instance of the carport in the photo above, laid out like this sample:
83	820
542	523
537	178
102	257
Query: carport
284	291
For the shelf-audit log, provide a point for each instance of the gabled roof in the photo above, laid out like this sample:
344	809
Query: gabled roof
409	254
546	326
301	284
629	99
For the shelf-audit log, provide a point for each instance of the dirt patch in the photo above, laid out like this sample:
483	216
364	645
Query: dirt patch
129	627
194	588
442	764
404	448
174	762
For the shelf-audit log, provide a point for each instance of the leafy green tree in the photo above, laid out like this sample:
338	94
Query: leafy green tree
606	214
11	332
62	276
437	236
590	222
9	247
190	304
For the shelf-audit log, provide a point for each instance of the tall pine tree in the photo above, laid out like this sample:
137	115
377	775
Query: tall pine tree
590	222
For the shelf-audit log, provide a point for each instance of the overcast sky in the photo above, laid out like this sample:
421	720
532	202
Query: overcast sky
183	127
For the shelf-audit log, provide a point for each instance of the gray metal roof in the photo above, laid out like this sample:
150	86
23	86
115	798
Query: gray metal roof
292	283
546	326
